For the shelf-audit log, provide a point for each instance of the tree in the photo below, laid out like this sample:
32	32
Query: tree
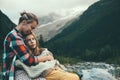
41	42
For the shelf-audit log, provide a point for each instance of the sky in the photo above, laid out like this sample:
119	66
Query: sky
13	8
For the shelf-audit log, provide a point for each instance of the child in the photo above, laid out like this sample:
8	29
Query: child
48	67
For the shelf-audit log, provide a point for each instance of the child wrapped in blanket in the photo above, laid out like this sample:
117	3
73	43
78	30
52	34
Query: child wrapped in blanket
49	68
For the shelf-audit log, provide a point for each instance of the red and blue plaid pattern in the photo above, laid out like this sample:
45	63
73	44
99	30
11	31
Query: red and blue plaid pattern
14	48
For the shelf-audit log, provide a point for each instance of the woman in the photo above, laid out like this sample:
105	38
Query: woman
14	47
54	73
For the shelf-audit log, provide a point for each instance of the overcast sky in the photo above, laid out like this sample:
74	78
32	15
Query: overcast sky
12	8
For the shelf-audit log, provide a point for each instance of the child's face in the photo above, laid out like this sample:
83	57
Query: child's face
31	41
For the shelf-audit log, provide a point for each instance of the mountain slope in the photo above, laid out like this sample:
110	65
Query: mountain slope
95	36
51	29
5	26
54	23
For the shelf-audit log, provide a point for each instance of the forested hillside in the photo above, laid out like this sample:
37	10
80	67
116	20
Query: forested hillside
5	26
94	37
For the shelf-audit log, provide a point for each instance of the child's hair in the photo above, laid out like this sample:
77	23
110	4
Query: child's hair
29	17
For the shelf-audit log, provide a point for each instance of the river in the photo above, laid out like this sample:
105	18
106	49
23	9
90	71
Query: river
95	71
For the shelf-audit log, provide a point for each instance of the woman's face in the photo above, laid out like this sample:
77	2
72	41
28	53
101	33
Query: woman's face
31	41
27	28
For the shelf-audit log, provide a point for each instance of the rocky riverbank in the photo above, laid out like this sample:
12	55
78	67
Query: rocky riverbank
96	71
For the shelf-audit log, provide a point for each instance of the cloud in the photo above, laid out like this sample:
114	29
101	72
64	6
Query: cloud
40	7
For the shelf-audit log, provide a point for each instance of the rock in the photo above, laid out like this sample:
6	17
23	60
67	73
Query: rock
97	74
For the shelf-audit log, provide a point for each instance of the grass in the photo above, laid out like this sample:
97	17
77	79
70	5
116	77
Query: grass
67	60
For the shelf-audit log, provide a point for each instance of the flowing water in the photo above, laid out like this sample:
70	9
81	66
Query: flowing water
96	71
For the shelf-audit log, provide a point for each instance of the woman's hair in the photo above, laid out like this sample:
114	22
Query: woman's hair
29	17
37	49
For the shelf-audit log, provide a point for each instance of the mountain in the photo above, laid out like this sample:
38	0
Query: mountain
51	29
5	26
54	23
95	36
49	18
